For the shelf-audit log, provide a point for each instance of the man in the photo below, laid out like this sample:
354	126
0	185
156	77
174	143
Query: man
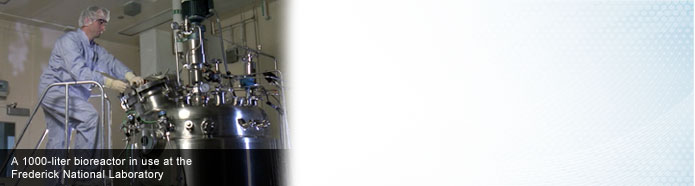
75	57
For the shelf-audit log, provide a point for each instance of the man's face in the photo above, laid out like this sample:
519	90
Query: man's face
98	26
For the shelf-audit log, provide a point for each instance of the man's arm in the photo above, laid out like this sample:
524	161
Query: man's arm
107	63
71	51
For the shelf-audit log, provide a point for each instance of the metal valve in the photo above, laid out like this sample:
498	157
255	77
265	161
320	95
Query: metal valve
207	127
189	125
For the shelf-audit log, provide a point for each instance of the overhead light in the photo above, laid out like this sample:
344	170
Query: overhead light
131	8
154	21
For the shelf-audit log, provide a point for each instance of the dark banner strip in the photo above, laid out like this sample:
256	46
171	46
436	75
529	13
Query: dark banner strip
139	167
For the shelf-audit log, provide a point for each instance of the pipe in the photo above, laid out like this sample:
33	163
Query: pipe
67	117
256	32
224	53
252	18
177	19
202	44
275	60
176	58
41	140
108	126
178	44
103	114
197	51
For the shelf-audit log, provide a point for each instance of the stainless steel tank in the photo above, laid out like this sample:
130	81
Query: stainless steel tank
165	121
232	125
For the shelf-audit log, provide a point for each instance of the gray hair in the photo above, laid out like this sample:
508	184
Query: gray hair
92	14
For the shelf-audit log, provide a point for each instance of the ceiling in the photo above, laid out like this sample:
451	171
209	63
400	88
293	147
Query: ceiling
59	13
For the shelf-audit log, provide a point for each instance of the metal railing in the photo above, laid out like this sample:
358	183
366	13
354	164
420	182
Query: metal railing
103	99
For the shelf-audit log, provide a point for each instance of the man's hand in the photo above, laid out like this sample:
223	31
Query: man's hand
115	84
137	80
134	80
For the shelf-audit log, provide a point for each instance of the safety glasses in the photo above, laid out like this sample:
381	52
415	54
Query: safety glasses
102	21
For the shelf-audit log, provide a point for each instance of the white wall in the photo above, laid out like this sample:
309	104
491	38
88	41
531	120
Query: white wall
156	52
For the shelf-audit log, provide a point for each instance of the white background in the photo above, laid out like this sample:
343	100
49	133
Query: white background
376	92
443	92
